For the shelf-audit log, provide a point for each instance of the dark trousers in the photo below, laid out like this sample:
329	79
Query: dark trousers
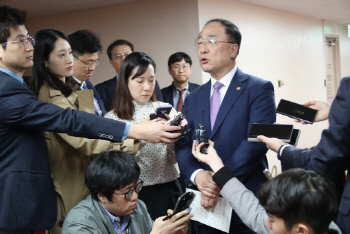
159	198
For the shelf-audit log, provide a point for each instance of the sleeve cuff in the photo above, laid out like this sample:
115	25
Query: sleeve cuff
222	176
280	150
126	131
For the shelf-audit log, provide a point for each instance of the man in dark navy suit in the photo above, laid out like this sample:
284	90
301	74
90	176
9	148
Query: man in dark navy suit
27	195
117	51
85	46
180	69
227	105
331	156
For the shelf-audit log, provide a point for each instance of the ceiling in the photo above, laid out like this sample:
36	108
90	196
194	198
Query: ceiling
330	10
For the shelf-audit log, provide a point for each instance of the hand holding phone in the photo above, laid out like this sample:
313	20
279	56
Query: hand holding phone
160	112
296	111
183	203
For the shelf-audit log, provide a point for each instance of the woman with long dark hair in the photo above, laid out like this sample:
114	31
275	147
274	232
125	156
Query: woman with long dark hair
69	156
134	102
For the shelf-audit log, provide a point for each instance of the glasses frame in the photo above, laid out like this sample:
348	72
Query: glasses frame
90	63
184	68
22	41
210	42
131	191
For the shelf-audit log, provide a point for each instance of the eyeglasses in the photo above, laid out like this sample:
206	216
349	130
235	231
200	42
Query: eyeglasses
129	193
177	68
23	41
89	63
200	41
120	56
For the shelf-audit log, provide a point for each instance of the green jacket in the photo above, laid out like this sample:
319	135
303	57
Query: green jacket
89	217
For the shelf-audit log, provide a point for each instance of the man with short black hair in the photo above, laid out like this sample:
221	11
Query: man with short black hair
85	47
117	51
180	69
113	206
27	194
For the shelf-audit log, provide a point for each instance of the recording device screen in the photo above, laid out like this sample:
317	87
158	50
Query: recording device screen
280	131
296	111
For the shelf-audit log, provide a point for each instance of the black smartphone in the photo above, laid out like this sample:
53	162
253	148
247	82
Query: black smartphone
280	131
161	110
182	203
295	137
296	111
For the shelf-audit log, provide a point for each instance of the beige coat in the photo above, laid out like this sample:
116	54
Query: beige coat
70	156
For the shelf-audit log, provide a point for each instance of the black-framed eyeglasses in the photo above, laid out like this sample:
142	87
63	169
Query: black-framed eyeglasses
129	193
23	41
201	41
88	63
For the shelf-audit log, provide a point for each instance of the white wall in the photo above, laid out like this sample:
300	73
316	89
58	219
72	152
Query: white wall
156	27
340	31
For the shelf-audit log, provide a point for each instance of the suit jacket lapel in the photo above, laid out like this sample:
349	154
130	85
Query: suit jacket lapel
235	89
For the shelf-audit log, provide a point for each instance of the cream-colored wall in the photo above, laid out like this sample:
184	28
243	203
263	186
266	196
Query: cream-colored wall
340	31
156	27
278	46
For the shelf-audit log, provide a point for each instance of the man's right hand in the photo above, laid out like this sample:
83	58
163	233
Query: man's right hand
154	132
322	107
177	224
206	185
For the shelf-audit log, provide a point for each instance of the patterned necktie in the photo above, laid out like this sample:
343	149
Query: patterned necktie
181	101
215	103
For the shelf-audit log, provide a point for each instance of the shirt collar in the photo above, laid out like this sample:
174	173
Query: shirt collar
126	218
226	80
176	88
81	83
12	74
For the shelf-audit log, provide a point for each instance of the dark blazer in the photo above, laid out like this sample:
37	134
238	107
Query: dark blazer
168	92
107	90
100	102
331	156
248	100
27	195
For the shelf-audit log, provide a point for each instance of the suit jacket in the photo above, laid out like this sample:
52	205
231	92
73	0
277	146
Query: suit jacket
70	156
27	195
90	217
248	100
107	90
99	100
168	92
331	156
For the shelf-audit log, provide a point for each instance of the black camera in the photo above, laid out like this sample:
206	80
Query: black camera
177	122
202	136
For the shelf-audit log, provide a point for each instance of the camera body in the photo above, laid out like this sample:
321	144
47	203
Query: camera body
202	136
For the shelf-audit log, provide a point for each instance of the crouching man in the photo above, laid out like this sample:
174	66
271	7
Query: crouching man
113	206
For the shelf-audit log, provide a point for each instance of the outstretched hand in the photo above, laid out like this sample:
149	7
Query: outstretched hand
321	107
211	158
271	143
154	132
